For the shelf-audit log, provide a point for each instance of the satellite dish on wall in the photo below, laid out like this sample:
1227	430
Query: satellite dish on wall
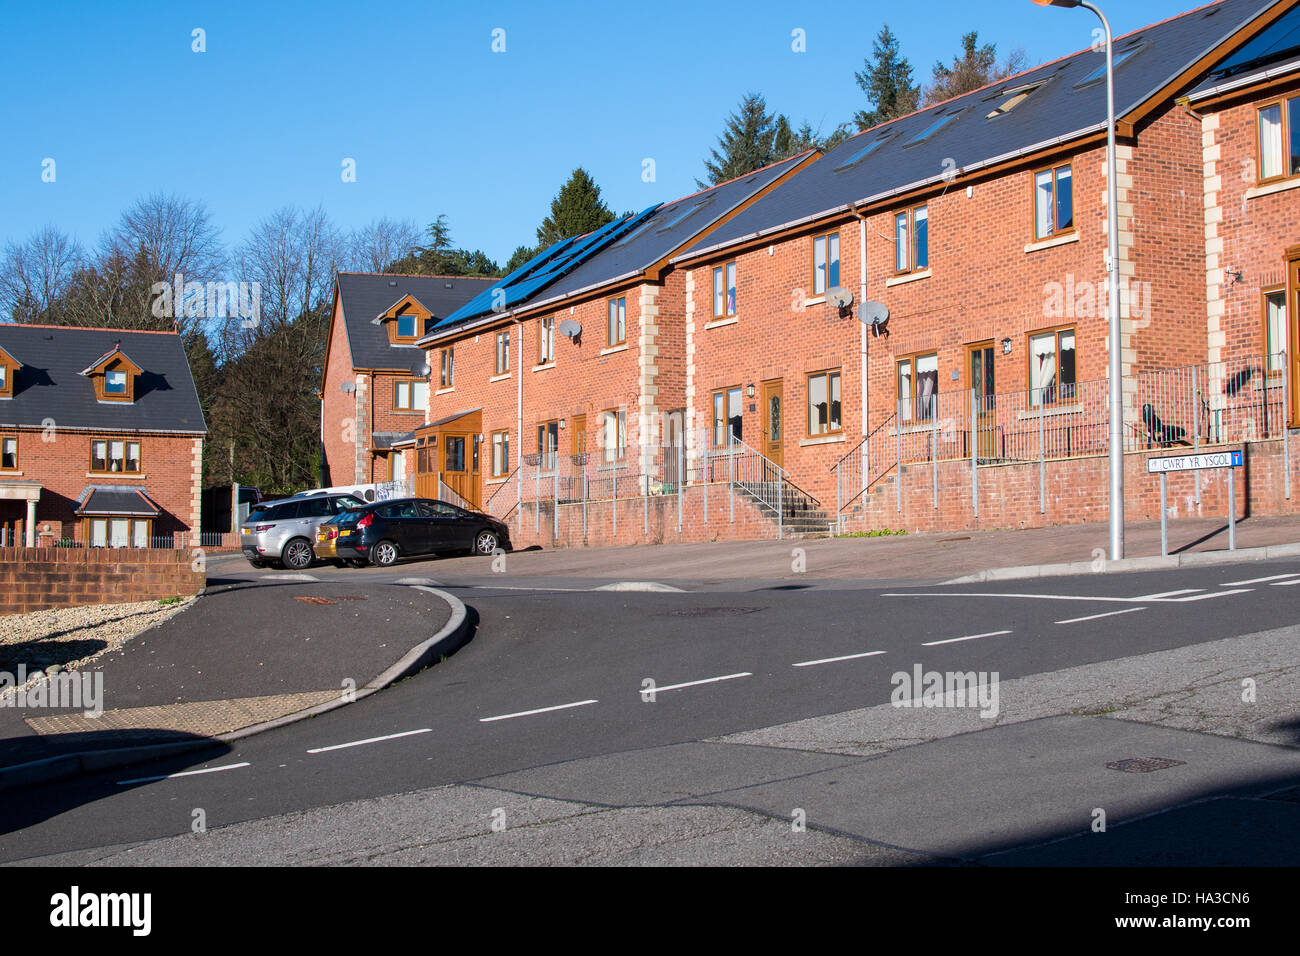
570	329
348	387
841	296
876	315
425	370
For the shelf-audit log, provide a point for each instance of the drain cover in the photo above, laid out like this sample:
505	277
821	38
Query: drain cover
314	600
1144	764
713	611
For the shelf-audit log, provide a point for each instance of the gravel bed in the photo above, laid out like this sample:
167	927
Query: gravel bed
72	637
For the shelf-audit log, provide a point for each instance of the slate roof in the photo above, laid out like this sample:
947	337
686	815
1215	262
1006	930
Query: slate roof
383	441
623	249
50	384
116	500
366	295
1069	103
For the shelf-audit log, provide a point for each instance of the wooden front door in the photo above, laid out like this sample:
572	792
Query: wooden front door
458	473
578	435
982	381
772	418
426	466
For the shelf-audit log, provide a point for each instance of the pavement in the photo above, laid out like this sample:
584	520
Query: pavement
910	557
256	650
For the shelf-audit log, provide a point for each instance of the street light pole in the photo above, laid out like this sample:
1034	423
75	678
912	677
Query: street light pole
1116	430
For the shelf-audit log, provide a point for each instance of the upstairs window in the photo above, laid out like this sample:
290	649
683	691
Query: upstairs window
406	326
724	290
8	454
826	263
546	341
1053	202
1010	99
617	331
503	352
447	368
115	382
114	457
410	395
1279	140
8	366
912	240
4	379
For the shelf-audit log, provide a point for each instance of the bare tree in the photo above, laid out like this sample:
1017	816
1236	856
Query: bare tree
373	247
292	255
36	276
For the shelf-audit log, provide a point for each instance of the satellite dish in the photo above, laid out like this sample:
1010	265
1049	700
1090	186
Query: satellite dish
348	387
841	296
570	329
425	370
876	315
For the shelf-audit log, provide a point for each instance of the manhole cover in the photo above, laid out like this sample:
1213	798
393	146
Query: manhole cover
713	611
1144	764
314	599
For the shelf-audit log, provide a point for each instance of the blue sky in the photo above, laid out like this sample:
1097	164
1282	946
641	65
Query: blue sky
434	119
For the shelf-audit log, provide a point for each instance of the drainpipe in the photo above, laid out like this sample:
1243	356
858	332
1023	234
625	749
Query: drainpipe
862	298
519	414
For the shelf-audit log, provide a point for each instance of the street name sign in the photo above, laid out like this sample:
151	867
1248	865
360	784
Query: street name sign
1218	459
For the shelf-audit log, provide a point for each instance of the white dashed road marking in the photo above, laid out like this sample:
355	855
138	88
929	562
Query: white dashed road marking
836	660
696	683
539	710
369	740
1271	577
969	637
1168	594
1093	617
185	773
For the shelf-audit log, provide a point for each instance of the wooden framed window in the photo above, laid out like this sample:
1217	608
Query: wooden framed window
728	416
1053	202
112	532
405	328
6	386
724	290
110	456
548	445
825	262
613	434
1053	367
1275	330
410	395
503	352
546	340
824	404
500	453
918	387
447	368
1279	140
8	367
912	240
617	330
8	453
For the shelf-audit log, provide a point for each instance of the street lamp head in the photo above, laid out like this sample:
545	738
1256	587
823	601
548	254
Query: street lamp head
1057	3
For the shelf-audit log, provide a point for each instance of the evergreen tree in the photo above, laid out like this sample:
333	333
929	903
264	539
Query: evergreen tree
747	143
887	81
977	66
438	258
576	210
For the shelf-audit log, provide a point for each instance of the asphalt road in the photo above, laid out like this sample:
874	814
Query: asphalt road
558	671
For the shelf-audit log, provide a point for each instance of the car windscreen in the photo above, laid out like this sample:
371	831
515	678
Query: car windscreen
350	518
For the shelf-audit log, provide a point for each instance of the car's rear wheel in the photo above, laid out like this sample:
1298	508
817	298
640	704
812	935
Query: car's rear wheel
257	564
297	554
384	554
486	542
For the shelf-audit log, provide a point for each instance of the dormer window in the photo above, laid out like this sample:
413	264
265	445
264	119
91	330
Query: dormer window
404	319
114	375
8	367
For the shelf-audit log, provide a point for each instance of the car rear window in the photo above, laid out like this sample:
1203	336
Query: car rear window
282	512
350	518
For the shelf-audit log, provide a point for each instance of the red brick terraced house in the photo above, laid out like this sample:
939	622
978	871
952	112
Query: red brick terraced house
101	437
573	367
375	389
974	234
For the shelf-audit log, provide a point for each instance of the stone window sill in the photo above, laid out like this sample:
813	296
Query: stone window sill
1256	191
1052	243
909	277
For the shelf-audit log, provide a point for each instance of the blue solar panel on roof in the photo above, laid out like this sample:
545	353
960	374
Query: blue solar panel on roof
1278	40
933	128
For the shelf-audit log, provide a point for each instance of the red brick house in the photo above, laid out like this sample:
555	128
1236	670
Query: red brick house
375	389
101	437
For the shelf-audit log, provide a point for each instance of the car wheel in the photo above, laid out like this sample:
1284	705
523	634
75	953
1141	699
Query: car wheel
486	542
257	564
297	555
384	554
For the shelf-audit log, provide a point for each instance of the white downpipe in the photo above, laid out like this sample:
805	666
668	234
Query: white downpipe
519	415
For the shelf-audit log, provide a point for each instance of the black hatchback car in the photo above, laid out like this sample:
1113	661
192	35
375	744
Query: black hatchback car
382	532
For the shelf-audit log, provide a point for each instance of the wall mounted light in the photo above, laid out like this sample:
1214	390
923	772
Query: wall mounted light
1006	346
561	424
749	390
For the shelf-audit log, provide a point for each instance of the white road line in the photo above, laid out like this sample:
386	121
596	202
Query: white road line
539	710
970	637
184	773
1212	594
1168	594
696	683
1093	617
834	660
1271	577
1284	584
1075	597
369	740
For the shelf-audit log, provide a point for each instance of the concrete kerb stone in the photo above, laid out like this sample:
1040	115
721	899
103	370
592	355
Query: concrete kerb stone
1152	563
64	766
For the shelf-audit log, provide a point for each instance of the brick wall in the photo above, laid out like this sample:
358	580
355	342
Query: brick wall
34	579
338	411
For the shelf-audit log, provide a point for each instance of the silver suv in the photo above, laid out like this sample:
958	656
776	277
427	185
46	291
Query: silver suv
283	531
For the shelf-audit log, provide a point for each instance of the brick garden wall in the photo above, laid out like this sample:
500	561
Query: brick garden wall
34	579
